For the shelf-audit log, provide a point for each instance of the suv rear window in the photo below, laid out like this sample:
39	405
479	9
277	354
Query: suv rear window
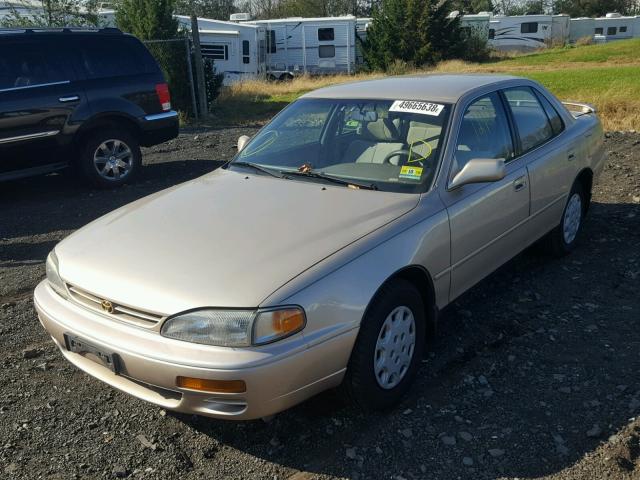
104	57
28	65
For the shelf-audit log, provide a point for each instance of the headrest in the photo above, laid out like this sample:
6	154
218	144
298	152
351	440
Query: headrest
384	130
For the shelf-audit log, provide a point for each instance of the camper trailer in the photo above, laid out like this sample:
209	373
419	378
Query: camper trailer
614	26
527	32
476	24
237	49
582	27
295	46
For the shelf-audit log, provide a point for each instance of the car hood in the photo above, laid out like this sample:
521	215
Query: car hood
227	239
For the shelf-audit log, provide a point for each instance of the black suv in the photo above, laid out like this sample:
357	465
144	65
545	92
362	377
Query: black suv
81	98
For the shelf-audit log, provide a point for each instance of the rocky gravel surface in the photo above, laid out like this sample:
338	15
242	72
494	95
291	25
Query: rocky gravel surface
535	372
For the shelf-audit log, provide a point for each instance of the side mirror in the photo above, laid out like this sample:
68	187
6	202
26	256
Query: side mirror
479	170
242	142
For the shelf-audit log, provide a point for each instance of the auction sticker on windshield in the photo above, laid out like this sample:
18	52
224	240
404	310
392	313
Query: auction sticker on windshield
424	108
410	173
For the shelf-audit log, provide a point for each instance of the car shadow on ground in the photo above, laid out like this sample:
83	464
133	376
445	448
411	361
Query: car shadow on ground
531	369
60	201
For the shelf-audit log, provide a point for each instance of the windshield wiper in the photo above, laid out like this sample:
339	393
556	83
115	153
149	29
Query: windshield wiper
258	168
330	178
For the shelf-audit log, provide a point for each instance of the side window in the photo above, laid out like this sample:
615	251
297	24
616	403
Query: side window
530	118
557	125
623	29
272	41
245	52
611	30
326	51
484	132
492	34
598	31
24	65
326	34
529	27
113	58
215	51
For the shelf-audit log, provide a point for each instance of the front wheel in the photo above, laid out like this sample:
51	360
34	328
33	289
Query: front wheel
110	158
388	350
563	239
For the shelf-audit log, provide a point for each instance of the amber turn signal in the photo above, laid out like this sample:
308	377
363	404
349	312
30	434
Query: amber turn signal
212	386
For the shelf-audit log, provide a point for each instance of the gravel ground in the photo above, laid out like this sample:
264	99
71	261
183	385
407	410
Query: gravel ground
535	372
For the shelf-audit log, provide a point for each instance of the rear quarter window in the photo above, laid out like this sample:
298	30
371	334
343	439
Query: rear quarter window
106	57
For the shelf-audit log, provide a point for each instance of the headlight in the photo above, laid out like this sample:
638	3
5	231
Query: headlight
234	328
54	276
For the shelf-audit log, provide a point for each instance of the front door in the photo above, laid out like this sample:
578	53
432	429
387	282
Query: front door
38	95
485	218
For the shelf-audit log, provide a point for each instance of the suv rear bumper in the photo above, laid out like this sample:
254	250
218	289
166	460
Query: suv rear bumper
159	128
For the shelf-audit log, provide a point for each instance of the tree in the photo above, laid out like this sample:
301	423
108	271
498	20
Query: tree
215	9
147	19
417	32
52	13
472	6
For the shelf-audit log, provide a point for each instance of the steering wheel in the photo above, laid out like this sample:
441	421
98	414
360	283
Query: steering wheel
404	152
395	153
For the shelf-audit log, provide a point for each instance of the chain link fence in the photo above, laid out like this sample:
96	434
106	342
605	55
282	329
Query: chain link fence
174	58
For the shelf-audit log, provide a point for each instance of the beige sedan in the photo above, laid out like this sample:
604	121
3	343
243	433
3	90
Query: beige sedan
321	255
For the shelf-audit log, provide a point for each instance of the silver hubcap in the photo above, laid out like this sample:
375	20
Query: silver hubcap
394	348
572	217
113	159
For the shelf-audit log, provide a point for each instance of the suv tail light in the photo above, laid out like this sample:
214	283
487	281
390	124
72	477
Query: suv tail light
162	89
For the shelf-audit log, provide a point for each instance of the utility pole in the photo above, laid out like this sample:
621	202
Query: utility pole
197	53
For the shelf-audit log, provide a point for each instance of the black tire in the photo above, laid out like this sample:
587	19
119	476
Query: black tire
89	148
360	383
556	242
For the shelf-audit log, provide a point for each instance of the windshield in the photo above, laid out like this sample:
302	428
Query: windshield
386	144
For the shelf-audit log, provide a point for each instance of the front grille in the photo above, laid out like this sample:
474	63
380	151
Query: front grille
117	312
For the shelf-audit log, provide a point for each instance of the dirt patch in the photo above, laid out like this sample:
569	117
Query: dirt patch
535	372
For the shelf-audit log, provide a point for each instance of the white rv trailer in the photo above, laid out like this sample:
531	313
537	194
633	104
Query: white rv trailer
477	23
237	49
615	27
309	45
527	32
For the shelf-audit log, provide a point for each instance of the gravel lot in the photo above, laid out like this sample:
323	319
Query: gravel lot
535	372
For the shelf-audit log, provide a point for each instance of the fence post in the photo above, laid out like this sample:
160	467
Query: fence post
187	48
202	94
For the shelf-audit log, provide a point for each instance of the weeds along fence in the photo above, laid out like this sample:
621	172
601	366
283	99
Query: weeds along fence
174	58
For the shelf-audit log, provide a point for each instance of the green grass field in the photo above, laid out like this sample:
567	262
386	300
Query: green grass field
606	75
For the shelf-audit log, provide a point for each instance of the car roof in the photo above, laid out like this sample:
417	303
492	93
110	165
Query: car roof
447	88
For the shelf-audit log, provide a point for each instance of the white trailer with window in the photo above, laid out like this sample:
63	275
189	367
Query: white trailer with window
528	32
615	27
295	46
237	49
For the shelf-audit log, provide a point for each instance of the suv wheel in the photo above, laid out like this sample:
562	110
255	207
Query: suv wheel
110	158
388	351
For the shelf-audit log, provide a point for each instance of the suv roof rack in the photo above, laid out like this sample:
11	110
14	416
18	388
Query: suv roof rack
30	30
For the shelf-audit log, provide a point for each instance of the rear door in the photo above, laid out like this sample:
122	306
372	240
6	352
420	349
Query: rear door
39	94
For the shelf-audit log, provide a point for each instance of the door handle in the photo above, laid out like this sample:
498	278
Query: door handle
571	156
519	184
71	98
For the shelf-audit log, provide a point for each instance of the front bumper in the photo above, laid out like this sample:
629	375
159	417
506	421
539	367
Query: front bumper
276	378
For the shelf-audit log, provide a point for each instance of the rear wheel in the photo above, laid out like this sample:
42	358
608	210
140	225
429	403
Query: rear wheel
110	158
563	239
387	353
